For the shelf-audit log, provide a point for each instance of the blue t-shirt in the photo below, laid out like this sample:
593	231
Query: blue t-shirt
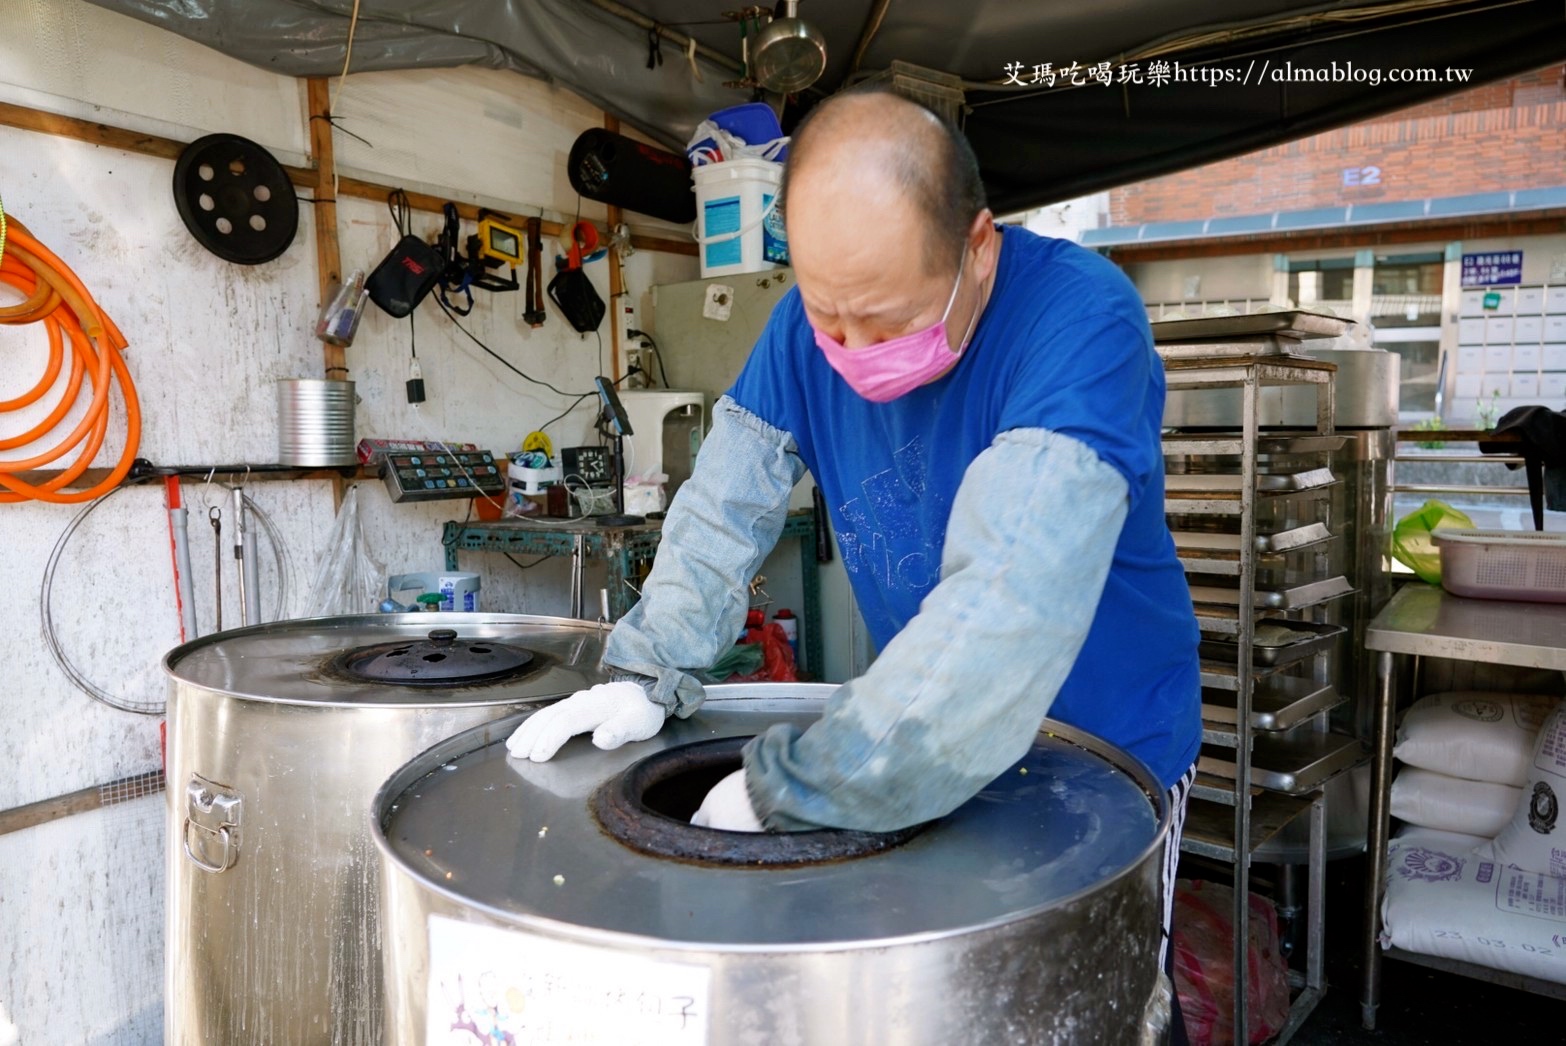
1063	344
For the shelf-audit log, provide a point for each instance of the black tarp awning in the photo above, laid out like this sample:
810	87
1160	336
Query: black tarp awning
1036	144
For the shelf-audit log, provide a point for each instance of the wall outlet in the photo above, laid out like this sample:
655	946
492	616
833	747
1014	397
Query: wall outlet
628	316
719	302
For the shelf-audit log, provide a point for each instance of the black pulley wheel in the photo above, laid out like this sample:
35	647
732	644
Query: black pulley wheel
235	199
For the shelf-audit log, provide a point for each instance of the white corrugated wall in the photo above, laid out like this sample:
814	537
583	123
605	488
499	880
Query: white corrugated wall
81	898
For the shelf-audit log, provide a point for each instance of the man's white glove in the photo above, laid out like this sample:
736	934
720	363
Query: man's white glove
728	807
614	712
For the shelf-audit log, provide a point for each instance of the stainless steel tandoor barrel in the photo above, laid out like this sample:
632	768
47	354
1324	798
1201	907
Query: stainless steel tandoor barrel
570	901
278	737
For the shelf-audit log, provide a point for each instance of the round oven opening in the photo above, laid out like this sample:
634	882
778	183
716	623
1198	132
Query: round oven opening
648	808
441	659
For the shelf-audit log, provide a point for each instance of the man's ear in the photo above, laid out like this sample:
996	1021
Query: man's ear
984	241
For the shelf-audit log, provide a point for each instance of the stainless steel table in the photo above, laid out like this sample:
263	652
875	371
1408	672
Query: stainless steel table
623	549
1426	621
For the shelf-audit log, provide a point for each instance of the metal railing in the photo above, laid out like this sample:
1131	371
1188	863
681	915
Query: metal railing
1432	456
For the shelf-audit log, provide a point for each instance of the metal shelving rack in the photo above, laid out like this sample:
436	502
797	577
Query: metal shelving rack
1260	693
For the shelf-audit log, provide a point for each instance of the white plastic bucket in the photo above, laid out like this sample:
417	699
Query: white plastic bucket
737	225
459	591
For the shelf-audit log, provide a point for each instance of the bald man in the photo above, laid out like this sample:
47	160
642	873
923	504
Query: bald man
980	407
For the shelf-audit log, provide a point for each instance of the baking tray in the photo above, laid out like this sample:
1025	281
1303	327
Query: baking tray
1277	702
1320	638
1292	323
1299	444
1218	543
1209	826
1228	444
1295	597
1296	762
1226	348
1229	482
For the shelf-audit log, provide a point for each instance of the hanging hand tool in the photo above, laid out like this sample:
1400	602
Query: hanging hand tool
534	314
215	517
179	550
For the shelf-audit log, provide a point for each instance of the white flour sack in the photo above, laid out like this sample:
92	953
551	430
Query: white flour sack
1451	804
1444	901
1475	734
1534	839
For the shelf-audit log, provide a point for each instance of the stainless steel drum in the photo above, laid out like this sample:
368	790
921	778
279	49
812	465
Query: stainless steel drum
278	737
570	901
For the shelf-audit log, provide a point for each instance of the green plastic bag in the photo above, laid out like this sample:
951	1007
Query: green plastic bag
741	659
1411	541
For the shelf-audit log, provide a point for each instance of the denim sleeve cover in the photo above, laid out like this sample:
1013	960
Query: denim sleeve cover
957	696
725	520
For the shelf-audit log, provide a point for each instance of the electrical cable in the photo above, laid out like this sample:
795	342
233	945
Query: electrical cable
282	561
331	101
573	406
401	211
525	566
872	26
577	401
502	360
353	25
56	297
51	636
402	219
652	343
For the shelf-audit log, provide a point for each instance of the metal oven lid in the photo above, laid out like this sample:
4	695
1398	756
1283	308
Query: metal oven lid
524	842
394	660
440	659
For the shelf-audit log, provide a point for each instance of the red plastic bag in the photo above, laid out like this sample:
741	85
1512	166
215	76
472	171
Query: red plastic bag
777	657
1204	965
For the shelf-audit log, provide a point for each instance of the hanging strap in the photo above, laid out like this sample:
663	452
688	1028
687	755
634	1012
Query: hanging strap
533	313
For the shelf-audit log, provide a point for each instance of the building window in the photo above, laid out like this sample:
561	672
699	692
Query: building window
1405	307
1329	281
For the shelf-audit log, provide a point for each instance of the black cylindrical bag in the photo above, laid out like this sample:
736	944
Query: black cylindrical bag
621	171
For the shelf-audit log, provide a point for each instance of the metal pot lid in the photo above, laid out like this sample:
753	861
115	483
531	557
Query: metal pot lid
440	659
353	661
517	840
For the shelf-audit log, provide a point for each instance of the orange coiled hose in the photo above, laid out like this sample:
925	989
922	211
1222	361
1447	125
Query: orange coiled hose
57	299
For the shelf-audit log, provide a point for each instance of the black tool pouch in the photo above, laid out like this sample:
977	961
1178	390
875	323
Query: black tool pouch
404	276
578	300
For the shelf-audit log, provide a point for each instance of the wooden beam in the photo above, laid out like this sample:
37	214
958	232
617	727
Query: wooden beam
420	201
80	801
328	258
653	243
27	119
328	255
616	277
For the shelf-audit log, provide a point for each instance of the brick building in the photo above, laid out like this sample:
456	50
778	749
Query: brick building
1377	220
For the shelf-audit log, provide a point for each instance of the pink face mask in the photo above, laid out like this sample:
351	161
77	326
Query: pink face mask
889	369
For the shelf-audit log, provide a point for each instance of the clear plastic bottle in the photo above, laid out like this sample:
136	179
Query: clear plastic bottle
790	625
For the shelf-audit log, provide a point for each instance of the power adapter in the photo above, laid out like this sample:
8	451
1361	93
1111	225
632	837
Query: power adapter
415	383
